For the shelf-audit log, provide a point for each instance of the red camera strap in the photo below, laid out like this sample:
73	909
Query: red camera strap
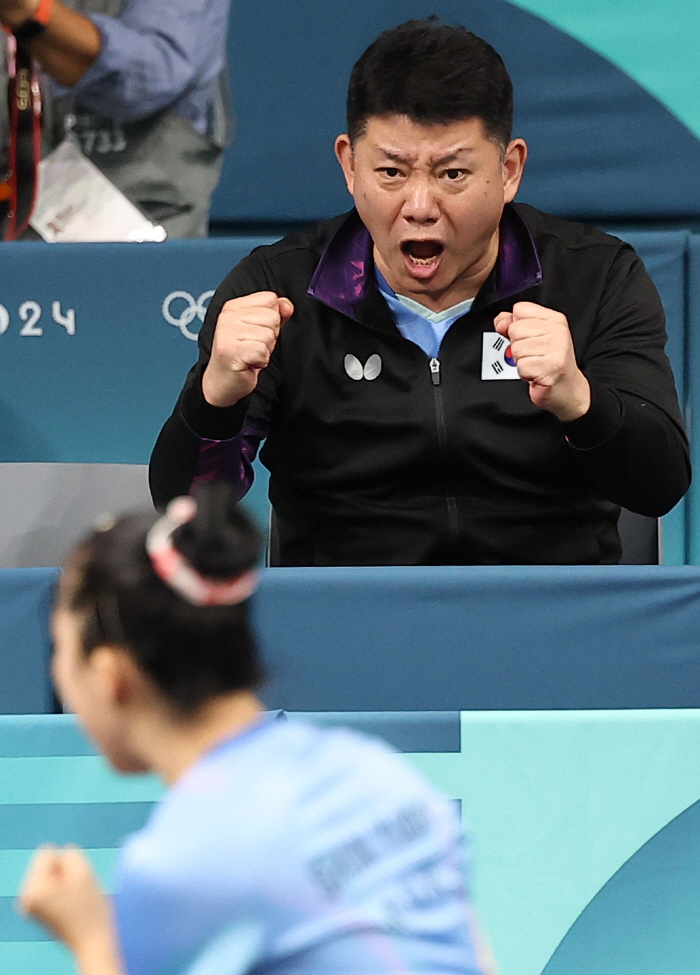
18	192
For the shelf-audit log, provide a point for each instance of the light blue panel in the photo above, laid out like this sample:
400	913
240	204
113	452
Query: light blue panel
572	815
15	927
63	779
91	825
35	958
41	735
53	788
407	731
557	802
645	919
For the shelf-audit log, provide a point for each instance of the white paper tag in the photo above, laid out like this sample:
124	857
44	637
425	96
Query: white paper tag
76	202
496	361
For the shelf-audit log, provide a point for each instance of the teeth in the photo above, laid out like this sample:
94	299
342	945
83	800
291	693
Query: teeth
425	261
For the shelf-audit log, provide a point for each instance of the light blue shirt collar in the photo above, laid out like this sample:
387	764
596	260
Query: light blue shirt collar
420	325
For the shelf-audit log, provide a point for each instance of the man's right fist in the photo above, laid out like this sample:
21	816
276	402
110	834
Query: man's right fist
246	333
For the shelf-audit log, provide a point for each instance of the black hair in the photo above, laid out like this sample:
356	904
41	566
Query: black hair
191	653
433	73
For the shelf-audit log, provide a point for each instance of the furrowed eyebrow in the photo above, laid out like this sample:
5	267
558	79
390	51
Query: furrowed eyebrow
398	157
394	156
450	157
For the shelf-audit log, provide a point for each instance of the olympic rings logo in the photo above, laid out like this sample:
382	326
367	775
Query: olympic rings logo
192	309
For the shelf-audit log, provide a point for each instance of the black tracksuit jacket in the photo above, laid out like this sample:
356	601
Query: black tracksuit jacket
425	462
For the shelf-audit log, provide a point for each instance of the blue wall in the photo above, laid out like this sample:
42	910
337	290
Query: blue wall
610	113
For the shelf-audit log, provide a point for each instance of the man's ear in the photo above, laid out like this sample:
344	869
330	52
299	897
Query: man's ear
513	165
346	158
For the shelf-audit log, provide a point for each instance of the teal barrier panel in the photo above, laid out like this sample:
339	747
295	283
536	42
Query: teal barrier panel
584	825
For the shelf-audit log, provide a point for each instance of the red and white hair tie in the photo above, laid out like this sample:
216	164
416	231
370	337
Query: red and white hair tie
172	567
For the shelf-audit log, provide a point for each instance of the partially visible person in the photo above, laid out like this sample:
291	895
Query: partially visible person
279	847
142	85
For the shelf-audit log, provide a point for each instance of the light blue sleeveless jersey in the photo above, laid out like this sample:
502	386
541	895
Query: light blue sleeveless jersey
292	849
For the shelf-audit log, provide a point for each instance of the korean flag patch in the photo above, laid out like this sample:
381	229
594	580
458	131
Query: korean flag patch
496	360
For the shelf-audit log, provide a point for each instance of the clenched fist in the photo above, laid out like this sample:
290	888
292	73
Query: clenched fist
245	336
61	892
540	343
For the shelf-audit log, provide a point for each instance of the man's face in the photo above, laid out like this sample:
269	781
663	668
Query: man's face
431	197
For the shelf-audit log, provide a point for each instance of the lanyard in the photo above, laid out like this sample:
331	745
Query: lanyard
18	192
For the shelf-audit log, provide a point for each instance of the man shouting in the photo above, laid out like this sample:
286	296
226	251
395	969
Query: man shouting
440	376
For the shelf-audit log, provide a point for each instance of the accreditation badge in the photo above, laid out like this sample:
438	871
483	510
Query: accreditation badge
78	203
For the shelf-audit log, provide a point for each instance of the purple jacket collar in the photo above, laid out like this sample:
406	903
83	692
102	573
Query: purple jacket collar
347	265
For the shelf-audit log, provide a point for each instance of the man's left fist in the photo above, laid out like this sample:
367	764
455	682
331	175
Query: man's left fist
540	343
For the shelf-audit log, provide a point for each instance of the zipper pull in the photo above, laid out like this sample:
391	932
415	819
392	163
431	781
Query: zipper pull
435	371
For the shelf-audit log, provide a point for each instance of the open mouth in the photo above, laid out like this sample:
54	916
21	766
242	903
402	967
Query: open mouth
422	258
422	252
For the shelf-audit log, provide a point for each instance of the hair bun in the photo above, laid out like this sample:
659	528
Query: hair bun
220	541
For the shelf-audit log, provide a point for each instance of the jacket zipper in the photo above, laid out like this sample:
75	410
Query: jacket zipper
451	502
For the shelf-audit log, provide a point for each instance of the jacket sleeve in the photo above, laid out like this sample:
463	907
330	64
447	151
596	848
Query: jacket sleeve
200	442
631	442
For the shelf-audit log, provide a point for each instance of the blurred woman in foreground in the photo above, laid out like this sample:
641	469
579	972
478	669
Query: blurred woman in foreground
279	847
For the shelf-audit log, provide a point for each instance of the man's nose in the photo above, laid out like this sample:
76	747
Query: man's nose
421	201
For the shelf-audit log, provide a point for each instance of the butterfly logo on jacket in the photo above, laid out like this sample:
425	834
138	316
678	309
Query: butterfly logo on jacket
356	370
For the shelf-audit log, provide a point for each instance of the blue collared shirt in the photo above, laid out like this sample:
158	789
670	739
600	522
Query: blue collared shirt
425	328
157	54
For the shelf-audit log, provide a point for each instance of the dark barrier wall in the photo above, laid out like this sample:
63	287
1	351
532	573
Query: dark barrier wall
693	371
25	602
97	341
481	638
421	639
